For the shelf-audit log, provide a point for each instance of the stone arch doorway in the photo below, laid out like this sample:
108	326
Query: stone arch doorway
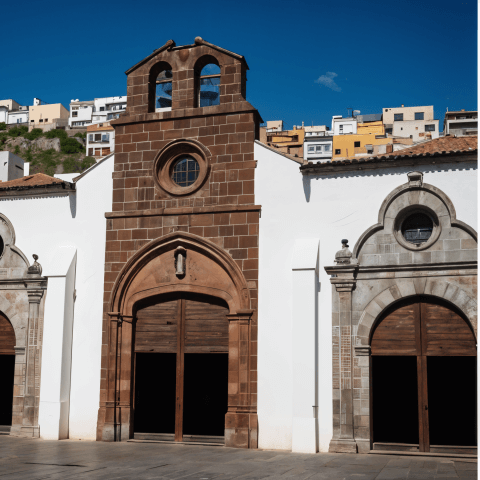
423	378
7	369
181	368
186	267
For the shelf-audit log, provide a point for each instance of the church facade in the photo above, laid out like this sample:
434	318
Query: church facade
198	286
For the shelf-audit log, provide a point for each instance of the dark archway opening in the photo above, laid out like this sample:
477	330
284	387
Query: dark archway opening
7	370
424	379
395	400
206	394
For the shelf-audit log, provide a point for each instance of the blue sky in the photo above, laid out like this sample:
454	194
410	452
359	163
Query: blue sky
308	60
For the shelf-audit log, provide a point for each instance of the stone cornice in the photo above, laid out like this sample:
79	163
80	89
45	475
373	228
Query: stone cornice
183	211
182	113
417	267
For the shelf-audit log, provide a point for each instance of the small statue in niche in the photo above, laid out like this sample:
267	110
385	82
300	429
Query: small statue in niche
180	262
36	268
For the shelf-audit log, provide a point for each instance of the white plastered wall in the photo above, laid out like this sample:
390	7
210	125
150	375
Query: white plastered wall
327	208
45	224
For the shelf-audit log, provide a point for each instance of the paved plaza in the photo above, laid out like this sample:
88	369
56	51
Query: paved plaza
28	459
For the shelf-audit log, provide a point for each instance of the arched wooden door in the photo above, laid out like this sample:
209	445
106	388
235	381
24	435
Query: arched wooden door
423	376
181	368
7	370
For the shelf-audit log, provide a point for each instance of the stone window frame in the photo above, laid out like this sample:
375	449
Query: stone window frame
407	212
168	156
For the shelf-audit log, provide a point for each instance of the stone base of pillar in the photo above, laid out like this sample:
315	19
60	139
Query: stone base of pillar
304	435
343	446
363	446
241	430
25	431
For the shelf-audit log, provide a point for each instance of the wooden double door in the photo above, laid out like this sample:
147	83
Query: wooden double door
423	379
181	368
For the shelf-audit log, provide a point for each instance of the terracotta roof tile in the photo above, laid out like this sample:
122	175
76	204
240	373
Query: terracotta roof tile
37	180
437	145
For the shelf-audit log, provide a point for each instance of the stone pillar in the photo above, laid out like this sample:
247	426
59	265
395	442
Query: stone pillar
343	279
241	424
32	368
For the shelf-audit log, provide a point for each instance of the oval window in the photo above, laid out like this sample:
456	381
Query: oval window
185	171
417	228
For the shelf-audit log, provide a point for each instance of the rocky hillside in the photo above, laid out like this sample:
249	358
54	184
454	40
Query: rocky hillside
50	153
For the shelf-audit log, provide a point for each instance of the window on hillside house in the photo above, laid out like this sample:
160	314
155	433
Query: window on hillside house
102	109
41	120
90	137
389	130
46	119
356	144
338	151
318	149
98	137
429	128
327	148
311	148
105	137
209	93
398	117
341	128
74	114
31	121
419	115
163	95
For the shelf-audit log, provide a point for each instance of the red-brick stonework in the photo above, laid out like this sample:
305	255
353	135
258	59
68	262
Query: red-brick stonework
216	223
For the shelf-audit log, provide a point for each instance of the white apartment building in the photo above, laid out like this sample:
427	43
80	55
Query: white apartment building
12	112
100	140
341	126
99	110
317	144
417	123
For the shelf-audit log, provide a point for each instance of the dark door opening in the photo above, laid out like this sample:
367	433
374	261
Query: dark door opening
7	370
181	371
452	400
395	396
155	383
206	394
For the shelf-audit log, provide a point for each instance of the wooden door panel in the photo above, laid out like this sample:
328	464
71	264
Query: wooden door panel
156	328
395	335
206	326
7	337
445	332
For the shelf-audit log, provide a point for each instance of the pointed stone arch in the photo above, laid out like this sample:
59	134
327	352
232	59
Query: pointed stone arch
151	271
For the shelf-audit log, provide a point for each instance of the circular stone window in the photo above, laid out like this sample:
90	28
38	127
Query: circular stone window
185	171
417	227
181	167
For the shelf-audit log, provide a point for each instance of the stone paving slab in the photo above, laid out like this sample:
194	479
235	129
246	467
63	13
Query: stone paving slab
29	459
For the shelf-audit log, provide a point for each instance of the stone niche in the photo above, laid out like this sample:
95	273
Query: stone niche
387	264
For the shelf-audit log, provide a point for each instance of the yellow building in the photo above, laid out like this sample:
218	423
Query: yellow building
48	116
287	141
366	141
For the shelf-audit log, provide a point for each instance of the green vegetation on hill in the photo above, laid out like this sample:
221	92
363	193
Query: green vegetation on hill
71	156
